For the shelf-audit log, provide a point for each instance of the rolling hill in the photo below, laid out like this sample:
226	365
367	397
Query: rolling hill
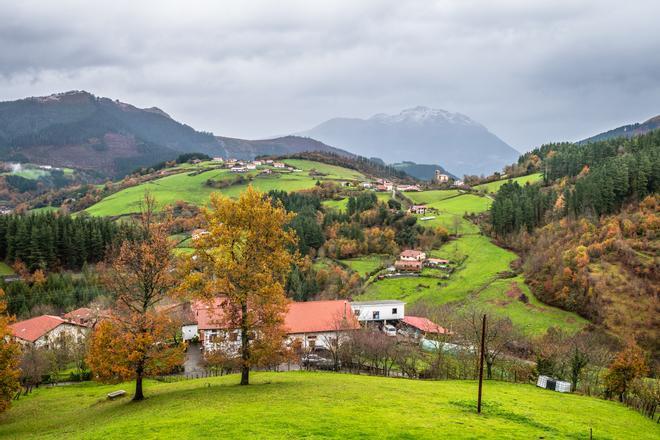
423	135
79	130
319	405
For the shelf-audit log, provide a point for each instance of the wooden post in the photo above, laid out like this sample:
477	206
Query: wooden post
481	362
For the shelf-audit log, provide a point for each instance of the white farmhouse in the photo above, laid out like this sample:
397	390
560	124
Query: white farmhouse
45	330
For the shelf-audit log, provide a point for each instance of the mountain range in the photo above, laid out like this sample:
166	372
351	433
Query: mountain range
79	130
422	135
628	131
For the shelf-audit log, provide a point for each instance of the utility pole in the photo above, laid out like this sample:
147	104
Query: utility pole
481	362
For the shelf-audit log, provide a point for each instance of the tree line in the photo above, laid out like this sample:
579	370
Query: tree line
593	180
49	241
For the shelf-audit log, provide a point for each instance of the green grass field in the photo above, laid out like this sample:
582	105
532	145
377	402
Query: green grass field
426	197
192	189
367	264
475	281
5	269
451	209
493	187
319	405
341	205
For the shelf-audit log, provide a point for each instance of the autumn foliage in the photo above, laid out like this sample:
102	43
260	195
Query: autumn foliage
9	358
243	262
136	341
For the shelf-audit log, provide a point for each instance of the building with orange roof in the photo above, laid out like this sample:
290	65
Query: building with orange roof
45	330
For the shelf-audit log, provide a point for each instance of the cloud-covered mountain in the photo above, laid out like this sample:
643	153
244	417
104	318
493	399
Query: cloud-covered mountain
421	135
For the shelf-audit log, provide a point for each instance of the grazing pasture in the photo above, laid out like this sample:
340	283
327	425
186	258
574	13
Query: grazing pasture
318	405
493	187
190	186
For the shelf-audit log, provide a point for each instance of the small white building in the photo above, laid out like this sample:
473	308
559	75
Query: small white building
375	311
45	330
418	209
279	165
412	255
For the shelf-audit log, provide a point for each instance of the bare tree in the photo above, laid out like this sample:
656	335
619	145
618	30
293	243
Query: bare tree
499	333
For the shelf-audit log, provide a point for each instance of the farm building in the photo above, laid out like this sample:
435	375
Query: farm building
412	255
441	178
420	327
313	323
279	165
378	311
317	323
436	262
44	330
408	265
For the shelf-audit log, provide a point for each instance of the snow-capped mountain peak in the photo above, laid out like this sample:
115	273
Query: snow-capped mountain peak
423	115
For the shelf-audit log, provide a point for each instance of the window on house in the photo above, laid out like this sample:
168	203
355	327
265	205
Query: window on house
394	311
375	315
233	336
356	312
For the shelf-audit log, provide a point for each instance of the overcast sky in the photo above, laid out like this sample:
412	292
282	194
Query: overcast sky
530	71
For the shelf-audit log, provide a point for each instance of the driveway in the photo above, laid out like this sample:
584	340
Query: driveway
194	360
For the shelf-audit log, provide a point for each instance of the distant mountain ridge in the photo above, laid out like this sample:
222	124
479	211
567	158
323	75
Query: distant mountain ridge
628	131
421	171
421	135
79	130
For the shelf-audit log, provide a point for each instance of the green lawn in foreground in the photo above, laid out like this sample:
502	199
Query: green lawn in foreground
5	269
366	264
493	187
192	189
475	281
319	405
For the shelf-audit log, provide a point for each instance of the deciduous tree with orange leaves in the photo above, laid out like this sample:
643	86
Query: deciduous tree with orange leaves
135	341
244	261
628	365
9	358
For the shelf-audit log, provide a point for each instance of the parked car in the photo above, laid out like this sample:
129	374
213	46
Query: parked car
389	330
313	360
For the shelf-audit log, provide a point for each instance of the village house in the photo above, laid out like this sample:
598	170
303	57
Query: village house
366	185
45	330
218	159
251	166
279	165
408	188
418	209
238	169
412	255
408	265
83	316
257	163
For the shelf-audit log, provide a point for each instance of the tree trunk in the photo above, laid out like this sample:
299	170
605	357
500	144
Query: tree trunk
245	346
138	387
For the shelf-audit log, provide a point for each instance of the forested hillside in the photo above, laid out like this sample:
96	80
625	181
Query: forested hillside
589	232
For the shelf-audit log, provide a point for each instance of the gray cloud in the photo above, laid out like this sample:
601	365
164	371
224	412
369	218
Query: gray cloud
530	71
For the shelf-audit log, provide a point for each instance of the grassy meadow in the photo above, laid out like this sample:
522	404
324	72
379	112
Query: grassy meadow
367	264
5	269
190	186
493	187
319	405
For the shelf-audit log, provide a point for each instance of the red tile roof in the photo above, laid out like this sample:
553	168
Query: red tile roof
301	317
34	328
81	314
409	253
319	316
424	324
